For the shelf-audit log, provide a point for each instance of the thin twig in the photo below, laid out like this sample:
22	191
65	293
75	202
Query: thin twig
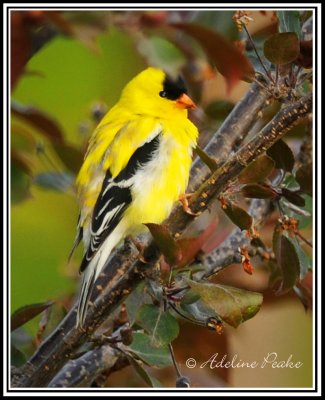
178	372
257	55
171	351
193	321
304	239
276	74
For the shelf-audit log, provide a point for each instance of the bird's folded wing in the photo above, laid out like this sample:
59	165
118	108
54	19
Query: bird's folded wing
115	197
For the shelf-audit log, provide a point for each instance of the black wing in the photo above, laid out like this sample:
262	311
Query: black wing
115	197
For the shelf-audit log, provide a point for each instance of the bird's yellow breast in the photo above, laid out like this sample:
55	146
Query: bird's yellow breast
160	183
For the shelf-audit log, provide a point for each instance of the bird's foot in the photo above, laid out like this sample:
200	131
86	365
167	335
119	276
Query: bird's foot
184	201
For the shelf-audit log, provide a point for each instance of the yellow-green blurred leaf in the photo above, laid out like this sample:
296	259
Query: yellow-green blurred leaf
233	305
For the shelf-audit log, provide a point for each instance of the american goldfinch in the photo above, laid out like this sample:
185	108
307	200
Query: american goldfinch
136	166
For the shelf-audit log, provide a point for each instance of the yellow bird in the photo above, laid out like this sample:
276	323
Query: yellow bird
136	167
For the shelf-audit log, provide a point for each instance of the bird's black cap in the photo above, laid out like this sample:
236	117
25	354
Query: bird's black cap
173	88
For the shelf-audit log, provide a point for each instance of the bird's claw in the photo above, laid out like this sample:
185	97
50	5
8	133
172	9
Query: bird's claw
184	201
140	249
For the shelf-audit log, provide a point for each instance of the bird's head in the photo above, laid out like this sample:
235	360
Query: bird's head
155	93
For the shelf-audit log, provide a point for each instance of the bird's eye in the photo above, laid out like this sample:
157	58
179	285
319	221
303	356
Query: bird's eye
162	93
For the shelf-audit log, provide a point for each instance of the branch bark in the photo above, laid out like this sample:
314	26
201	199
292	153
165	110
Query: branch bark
124	271
82	371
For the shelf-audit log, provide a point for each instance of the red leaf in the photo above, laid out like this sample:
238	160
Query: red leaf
229	61
21	160
282	48
305	58
165	242
26	313
306	288
20	45
258	170
287	260
238	216
191	246
24	29
39	120
282	155
256	191
304	177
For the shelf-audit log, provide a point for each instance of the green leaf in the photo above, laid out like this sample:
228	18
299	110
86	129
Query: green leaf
258	170
161	52
222	19
153	356
304	261
209	161
238	216
234	306
304	176
59	181
26	313
282	48
293	197
230	62
256	191
165	242
149	380
161	325
287	260
197	309
190	297
135	300
306	220
17	357
19	184
282	155
289	21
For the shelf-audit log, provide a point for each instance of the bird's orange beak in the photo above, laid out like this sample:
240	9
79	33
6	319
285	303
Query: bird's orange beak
184	101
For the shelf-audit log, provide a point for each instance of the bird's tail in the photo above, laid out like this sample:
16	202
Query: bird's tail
91	273
87	284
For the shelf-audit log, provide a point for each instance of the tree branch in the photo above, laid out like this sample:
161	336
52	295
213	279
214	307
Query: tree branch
81	372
